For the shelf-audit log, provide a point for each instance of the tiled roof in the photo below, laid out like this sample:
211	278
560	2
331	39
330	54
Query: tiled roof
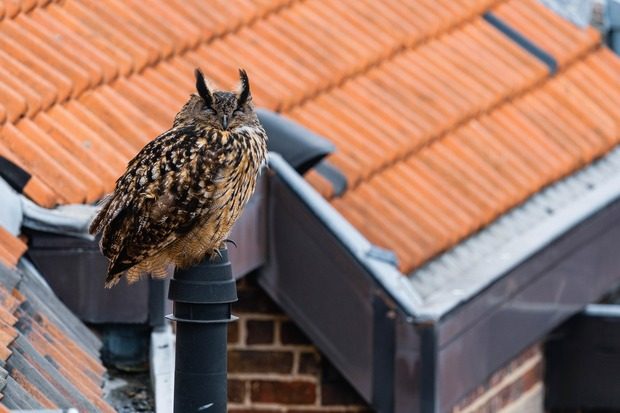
11	248
459	273
48	359
441	120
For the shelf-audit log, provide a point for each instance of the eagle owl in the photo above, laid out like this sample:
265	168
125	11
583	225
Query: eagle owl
180	196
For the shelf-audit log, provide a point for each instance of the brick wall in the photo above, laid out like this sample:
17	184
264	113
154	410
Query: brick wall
516	388
273	367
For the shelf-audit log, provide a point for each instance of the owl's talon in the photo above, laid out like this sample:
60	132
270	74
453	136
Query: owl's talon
231	242
215	254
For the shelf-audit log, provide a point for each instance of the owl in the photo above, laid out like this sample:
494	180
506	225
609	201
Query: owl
180	196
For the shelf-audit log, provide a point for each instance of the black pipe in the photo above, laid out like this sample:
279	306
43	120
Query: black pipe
202	297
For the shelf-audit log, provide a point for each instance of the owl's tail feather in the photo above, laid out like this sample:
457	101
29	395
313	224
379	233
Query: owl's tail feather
156	267
112	279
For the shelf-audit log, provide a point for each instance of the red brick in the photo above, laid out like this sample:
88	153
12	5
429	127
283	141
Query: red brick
291	334
309	363
254	300
259	331
254	361
285	392
252	410
339	393
233	333
335	409
236	391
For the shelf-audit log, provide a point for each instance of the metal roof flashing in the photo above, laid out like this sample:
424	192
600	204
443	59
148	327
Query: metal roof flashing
382	270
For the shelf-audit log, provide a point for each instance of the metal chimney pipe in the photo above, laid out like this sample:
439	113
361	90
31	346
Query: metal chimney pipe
202	297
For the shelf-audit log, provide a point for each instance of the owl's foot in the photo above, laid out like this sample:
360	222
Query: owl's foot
215	253
230	242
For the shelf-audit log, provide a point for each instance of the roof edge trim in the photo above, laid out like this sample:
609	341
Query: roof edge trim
387	275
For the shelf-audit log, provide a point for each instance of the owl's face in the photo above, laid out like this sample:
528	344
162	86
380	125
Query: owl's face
225	111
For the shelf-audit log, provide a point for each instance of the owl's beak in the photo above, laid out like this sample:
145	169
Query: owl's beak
224	122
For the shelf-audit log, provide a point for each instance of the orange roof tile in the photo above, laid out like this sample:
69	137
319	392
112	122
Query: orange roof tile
446	144
11	248
492	163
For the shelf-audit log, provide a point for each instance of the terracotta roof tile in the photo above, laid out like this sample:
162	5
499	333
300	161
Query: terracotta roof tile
32	98
30	58
80	150
490	164
175	92
35	189
83	65
38	161
13	248
149	100
148	127
87	146
101	67
124	21
124	149
551	32
193	31
114	116
130	42
28	5
12	8
320	183
71	364
181	33
424	92
103	44
75	124
59	147
21	73
439	143
14	104
45	56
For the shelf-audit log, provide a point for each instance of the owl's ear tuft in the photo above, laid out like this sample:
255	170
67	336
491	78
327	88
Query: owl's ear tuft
201	87
244	88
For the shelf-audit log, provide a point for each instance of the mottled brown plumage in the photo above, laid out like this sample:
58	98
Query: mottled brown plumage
180	196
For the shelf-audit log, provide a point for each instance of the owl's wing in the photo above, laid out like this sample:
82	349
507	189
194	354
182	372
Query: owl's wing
165	189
